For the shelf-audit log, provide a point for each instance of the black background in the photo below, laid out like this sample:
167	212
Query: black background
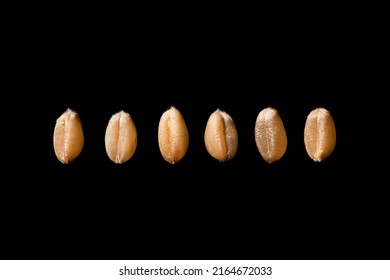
201	208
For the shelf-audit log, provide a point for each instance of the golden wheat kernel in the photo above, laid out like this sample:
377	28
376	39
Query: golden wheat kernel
68	138
120	138
270	135
319	134
220	137
173	138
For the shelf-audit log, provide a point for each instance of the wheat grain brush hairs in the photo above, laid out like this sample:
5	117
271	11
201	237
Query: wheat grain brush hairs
68	139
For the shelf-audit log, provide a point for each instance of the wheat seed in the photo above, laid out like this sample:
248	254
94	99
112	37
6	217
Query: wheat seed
220	136
173	138
270	135
120	138
319	134
68	137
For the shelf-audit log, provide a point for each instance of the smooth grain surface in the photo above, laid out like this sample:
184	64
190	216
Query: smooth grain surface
319	134
120	138
173	138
